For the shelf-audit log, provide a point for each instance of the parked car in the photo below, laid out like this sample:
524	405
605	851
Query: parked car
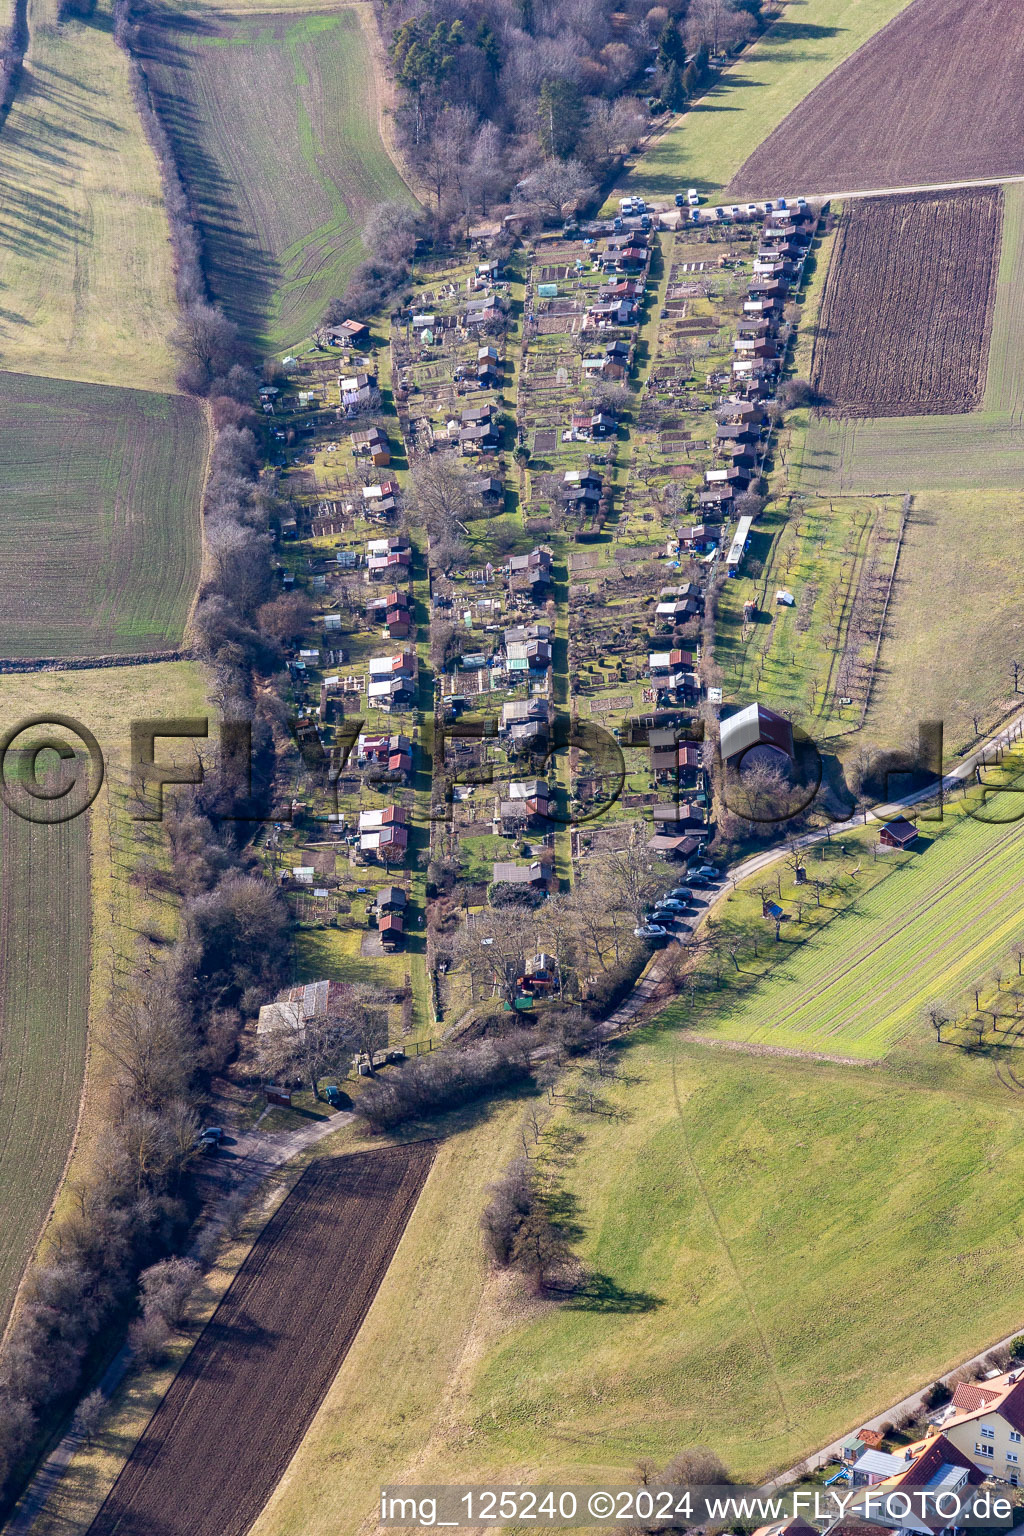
680	893
651	931
670	906
709	870
213	1132
753	209
693	197
680	199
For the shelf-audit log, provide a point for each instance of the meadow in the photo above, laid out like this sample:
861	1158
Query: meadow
702	1190
952	628
281	191
706	146
979	450
100	538
86	284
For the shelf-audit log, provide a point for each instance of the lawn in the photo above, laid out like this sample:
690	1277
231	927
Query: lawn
275	122
85	261
913	453
858	986
100	538
706	147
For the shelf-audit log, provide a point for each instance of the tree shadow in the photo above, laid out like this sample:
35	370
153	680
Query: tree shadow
600	1293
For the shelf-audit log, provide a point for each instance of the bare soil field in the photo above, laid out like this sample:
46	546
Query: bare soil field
220	1440
981	449
906	316
935	96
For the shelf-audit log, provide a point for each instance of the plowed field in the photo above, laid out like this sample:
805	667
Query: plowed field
220	1440
934	97
905	321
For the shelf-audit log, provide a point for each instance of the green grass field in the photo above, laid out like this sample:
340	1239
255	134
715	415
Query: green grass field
858	987
275	122
86	285
981	449
706	147
44	1009
892	1200
100	537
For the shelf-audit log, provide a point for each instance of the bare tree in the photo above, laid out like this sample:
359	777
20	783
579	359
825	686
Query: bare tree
556	186
89	1415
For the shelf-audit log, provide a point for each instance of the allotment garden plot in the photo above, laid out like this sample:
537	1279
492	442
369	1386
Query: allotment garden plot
934	97
274	118
100	533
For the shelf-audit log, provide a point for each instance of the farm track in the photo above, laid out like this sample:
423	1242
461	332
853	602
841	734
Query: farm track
933	97
238	1408
906	316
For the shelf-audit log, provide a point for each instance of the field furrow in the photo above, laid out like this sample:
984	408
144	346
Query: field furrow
267	1357
934	97
904	326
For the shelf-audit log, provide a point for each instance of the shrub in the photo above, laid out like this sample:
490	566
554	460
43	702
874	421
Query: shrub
429	1084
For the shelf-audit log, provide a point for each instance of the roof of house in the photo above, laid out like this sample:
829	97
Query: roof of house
1004	1396
528	789
662	843
510	873
755	726
900	830
926	1467
877	1463
295	1008
391	896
